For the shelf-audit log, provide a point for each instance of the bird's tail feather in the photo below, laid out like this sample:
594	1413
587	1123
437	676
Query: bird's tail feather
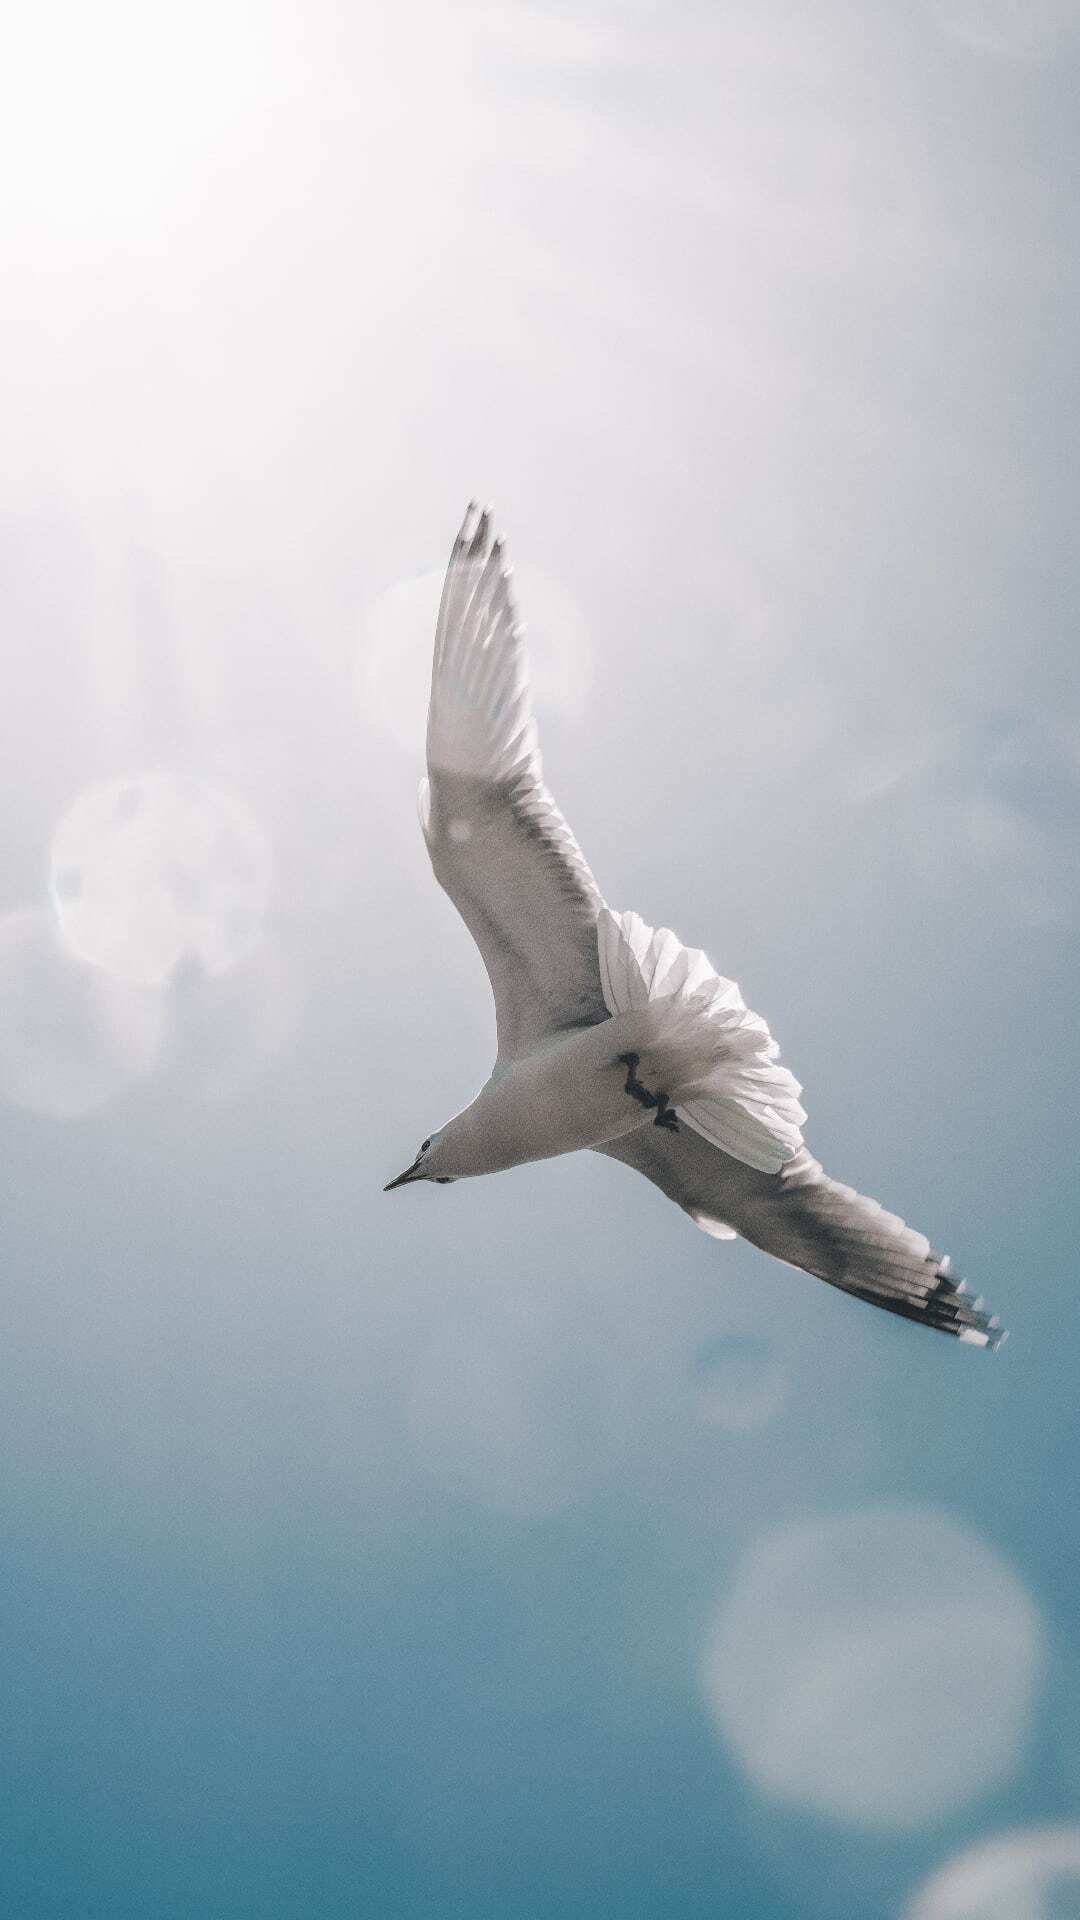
679	1050
730	1086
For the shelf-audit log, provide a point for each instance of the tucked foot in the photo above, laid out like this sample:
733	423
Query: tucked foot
665	1113
633	1085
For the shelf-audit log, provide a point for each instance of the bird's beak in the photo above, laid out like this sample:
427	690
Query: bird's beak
402	1180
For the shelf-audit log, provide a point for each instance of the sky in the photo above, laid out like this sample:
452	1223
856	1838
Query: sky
517	1549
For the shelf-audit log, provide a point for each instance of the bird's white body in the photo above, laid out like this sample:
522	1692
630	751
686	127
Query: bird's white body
612	1036
570	1090
567	1094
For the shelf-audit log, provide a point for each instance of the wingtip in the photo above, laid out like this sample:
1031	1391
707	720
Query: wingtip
464	532
991	1335
474	539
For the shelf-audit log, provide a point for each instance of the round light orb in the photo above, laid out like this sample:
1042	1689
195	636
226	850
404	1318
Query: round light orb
71	1038
393	662
156	873
1030	1875
878	1667
740	1381
516	1413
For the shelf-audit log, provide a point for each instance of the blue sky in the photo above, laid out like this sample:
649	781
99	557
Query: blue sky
514	1548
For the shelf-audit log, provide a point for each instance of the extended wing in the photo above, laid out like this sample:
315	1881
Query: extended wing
498	843
812	1222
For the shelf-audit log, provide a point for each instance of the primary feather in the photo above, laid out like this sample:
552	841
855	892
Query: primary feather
803	1217
498	843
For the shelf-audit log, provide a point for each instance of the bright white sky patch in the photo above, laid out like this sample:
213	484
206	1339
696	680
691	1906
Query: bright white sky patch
878	1668
101	106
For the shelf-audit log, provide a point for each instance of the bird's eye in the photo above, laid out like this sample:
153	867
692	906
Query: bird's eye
424	1145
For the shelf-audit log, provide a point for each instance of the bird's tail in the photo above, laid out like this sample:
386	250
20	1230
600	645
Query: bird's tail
678	1050
723	1072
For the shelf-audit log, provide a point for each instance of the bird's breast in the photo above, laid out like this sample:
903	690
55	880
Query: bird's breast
572	1094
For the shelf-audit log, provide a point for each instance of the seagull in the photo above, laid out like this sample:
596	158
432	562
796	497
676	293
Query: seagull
611	1035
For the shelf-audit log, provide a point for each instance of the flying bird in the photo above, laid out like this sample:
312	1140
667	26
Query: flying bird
612	1035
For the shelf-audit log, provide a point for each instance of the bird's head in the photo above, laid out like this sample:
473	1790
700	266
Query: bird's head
431	1163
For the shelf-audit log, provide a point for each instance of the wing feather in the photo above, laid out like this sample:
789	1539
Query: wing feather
499	845
747	1104
802	1217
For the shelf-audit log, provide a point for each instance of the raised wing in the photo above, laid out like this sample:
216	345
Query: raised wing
812	1222
498	843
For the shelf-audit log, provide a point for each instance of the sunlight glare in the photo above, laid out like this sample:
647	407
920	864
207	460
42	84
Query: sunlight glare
101	106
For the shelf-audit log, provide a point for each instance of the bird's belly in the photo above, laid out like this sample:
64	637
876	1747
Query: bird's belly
572	1096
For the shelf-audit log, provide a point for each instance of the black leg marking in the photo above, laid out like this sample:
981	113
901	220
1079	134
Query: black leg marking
665	1113
630	1062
